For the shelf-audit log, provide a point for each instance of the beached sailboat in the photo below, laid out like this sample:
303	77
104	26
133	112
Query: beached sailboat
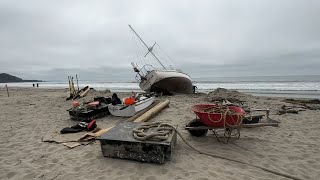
165	79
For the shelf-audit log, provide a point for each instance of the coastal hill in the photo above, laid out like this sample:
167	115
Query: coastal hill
5	78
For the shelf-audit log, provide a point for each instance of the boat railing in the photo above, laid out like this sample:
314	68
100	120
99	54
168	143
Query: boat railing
179	70
144	71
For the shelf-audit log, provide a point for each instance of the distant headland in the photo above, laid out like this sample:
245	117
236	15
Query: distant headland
6	78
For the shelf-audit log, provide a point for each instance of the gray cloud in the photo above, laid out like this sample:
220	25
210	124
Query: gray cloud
51	39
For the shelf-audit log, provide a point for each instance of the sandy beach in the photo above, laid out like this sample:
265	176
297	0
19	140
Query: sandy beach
30	114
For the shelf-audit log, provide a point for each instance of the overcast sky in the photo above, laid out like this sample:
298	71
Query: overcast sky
49	40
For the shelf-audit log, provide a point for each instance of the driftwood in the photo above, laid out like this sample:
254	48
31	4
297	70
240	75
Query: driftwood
291	109
312	104
303	101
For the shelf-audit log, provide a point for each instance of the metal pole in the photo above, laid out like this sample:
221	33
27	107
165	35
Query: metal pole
69	88
7	90
147	47
77	82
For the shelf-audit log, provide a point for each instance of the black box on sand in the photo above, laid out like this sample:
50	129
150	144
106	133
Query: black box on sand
119	142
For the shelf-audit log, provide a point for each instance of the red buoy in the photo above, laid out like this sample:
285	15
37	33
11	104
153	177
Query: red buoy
75	103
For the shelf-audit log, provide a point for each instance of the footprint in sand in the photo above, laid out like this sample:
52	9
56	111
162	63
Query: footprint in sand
29	176
51	149
292	158
135	178
55	160
266	165
11	174
203	178
306	155
212	174
77	169
119	173
89	155
163	171
150	178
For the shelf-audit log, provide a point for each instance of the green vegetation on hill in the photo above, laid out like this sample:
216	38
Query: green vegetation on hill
5	78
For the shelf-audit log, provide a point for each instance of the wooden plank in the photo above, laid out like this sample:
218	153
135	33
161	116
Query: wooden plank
72	144
91	136
259	125
152	111
143	111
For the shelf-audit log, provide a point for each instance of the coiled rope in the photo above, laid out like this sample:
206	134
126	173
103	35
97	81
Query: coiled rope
162	133
224	112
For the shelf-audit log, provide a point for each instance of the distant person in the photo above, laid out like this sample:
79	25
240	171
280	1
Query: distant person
37	85
33	84
195	88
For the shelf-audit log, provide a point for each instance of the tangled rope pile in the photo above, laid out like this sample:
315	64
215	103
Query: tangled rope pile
225	112
162	133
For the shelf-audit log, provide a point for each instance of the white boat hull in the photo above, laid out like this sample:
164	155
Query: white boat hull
166	80
121	110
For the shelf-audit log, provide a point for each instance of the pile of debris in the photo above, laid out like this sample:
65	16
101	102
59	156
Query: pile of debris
221	94
94	93
97	108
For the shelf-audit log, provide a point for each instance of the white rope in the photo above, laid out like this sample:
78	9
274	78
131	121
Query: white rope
223	116
169	127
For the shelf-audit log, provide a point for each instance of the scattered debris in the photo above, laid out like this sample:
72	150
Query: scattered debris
291	109
107	91
97	108
93	94
229	97
312	104
76	139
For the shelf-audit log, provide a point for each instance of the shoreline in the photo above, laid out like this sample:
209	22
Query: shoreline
300	94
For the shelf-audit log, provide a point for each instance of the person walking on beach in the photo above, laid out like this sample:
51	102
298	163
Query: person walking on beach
37	85
194	89
33	84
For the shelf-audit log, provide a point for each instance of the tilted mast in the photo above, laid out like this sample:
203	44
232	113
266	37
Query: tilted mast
149	48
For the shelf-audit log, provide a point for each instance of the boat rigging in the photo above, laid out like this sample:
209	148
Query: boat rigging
148	47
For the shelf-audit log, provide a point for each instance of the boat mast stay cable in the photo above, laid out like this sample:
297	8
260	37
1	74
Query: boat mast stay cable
149	48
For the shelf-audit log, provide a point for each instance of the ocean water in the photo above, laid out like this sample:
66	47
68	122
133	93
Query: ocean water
273	86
